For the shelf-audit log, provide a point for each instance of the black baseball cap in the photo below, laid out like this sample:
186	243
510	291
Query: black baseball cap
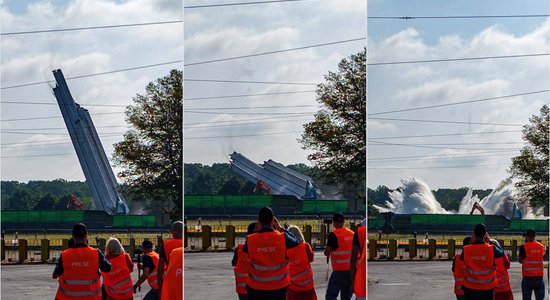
338	217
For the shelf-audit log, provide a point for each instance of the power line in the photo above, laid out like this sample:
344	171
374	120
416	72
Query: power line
55	117
94	74
244	124
65	128
441	167
257	107
250	81
456	59
458	103
246	113
439	135
51	103
458	144
272	52
52	133
240	3
453	17
442	156
377	143
90	28
246	95
240	135
445	122
240	120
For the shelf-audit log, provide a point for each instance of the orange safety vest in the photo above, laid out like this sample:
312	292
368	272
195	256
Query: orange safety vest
360	284
152	278
458	274
503	279
80	277
118	282
340	256
172	287
532	265
301	274
480	272
362	236
170	245
269	267
241	270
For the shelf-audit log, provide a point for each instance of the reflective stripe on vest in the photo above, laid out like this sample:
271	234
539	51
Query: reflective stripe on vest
305	282
301	274
488	280
458	275
269	268
80	282
241	274
340	256
79	294
268	279
129	280
486	272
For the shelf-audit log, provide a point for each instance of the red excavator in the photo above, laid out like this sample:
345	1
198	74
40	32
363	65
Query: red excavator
260	185
74	202
478	207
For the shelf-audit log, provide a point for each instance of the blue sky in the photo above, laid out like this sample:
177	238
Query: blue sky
41	149
475	158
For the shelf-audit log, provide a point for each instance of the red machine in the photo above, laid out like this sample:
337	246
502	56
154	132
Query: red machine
74	202
478	207
260	185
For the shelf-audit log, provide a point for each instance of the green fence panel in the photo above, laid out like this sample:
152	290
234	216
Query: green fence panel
375	223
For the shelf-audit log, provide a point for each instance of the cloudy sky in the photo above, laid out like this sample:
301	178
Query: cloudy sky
35	142
465	153
262	126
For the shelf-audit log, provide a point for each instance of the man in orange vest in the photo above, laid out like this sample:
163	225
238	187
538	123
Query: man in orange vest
173	286
176	230
531	255
339	244
480	276
458	272
150	268
241	264
268	276
79	267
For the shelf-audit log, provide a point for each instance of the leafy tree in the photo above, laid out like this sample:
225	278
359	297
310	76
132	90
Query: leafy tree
47	202
152	152
230	187
531	166
337	135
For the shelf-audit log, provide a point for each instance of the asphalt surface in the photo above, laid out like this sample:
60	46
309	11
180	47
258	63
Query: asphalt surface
34	282
422	280
210	276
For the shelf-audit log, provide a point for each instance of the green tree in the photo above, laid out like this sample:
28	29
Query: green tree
46	202
230	187
337	136
151	153
530	168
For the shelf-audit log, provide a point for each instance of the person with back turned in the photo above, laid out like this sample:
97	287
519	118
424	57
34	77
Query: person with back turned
269	276
79	268
339	245
531	256
358	269
302	286
150	268
480	274
241	264
172	289
176	230
458	271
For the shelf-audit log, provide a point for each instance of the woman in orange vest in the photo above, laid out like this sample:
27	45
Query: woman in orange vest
176	231
503	290
301	274
118	282
458	272
531	255
360	279
241	264
172	289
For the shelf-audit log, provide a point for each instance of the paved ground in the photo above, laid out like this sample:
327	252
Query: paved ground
210	276
34	282
421	280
